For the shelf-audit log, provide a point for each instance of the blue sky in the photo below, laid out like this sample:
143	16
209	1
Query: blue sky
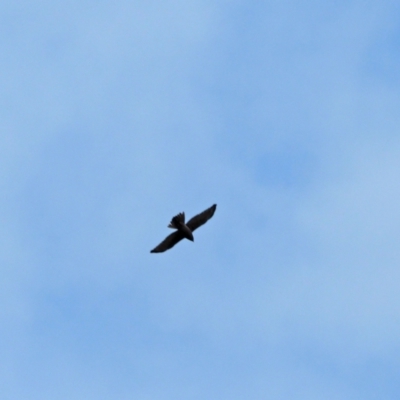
115	116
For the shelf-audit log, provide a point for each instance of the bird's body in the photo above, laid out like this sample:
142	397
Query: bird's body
178	222
184	230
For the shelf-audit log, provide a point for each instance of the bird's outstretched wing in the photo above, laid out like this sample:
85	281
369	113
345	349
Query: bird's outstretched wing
170	241
200	219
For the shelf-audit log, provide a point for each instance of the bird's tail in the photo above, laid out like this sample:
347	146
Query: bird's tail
177	221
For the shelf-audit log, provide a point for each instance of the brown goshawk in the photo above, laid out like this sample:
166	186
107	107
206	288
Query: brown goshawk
184	230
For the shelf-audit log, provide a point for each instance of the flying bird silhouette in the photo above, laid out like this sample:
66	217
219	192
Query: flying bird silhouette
184	230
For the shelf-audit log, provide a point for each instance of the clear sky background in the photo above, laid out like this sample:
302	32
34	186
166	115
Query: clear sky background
117	115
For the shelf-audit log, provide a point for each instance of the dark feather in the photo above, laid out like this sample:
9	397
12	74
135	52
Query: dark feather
177	221
200	219
170	241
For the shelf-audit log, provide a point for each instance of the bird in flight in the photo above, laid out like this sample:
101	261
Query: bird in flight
184	230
